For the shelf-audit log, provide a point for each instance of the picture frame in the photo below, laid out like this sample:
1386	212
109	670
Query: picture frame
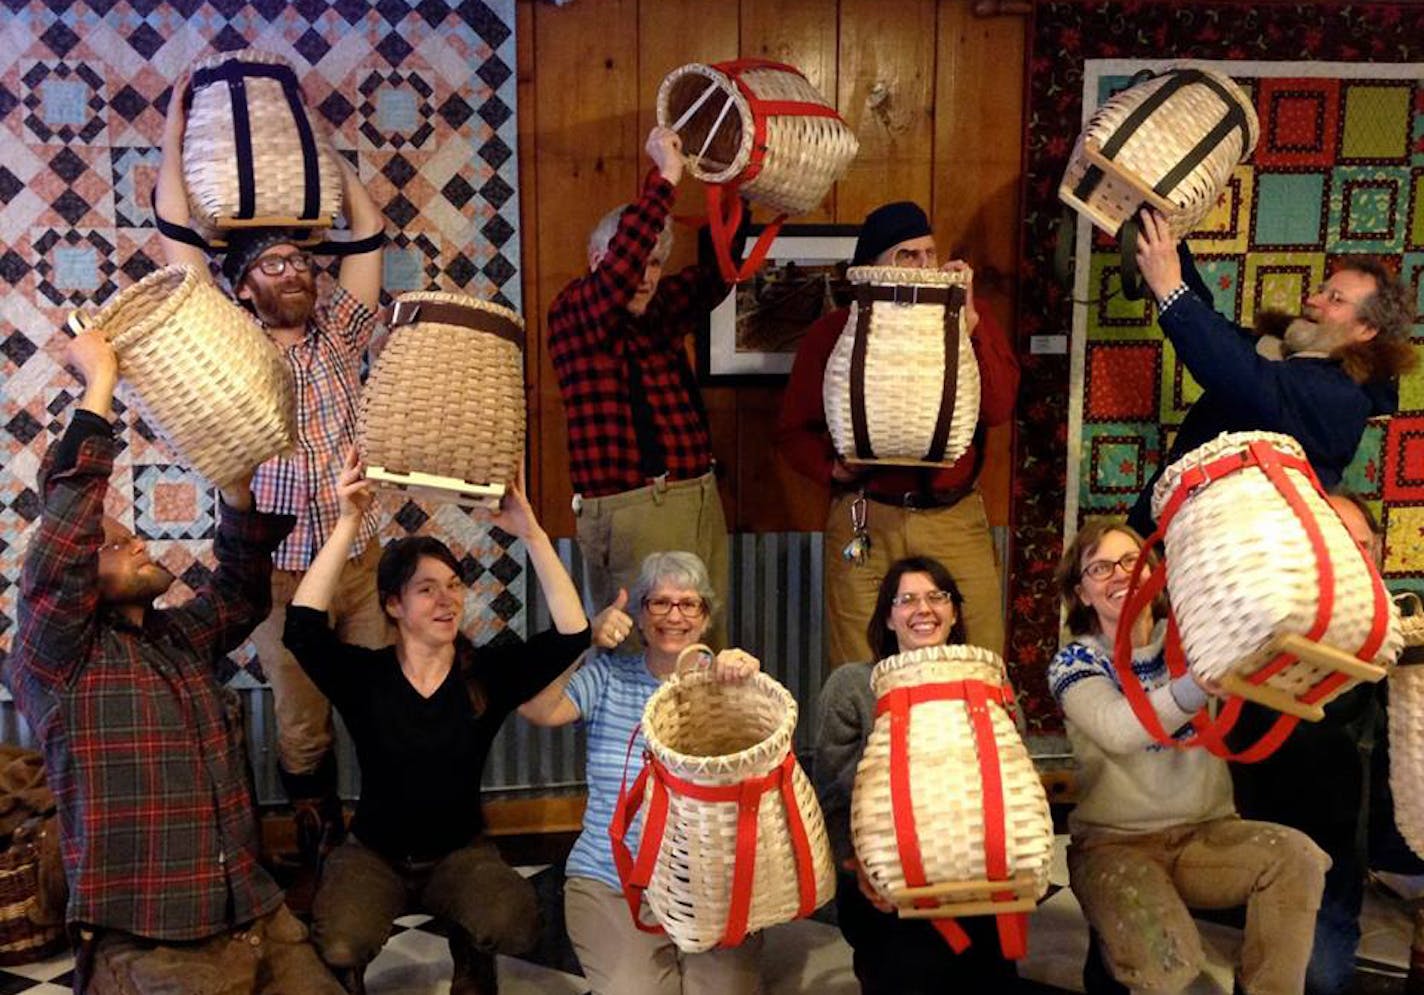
752	335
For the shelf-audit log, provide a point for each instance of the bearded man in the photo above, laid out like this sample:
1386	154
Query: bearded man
1342	358
323	343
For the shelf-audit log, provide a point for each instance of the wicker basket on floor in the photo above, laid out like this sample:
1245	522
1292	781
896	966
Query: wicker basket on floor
1406	726
251	156
944	776
761	126
902	383
1170	141
1243	568
744	843
443	410
206	377
24	938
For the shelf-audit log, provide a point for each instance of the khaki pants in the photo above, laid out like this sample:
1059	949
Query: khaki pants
617	532
271	956
303	713
957	536
619	959
1136	892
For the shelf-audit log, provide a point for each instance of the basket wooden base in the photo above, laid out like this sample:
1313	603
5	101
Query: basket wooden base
1120	187
1321	655
969	898
854	461
461	492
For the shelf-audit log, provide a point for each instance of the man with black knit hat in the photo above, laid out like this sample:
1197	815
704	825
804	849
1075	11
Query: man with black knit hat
323	343
902	511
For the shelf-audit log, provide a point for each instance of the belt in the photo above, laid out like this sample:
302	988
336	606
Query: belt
922	500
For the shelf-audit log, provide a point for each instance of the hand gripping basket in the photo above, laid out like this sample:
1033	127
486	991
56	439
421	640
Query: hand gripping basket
1270	596
758	129
443	410
1171	141
251	157
733	840
902	383
207	378
1406	726
948	815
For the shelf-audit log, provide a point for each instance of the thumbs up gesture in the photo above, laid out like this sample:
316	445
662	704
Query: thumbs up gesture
612	625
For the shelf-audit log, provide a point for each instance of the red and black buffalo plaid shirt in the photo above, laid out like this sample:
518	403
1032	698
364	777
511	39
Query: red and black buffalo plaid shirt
156	820
602	355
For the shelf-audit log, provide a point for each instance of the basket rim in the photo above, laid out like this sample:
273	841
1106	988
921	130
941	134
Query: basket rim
907	276
1212	449
945	652
463	300
770	748
725	83
152	318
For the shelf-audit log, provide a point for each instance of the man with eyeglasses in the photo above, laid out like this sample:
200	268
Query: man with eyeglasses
161	849
1342	358
323	342
902	511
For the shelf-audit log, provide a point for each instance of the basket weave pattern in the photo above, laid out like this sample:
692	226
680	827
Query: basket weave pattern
1165	139
445	399
805	155
715	734
1406	730
210	153
946	785
22	939
1242	569
207	378
904	372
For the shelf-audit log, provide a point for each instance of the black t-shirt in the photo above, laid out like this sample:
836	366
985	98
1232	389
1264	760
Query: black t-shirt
422	758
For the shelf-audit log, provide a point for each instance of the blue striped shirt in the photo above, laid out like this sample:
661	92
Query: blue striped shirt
610	692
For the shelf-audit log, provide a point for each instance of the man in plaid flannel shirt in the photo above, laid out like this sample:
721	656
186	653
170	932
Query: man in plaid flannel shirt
156	826
323	344
640	454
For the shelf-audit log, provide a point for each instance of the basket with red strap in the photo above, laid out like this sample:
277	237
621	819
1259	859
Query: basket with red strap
755	129
1406	725
948	815
733	839
1271	598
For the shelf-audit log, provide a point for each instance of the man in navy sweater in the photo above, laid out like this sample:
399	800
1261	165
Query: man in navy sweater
1343	356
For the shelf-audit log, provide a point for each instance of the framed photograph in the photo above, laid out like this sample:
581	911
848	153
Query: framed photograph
754	332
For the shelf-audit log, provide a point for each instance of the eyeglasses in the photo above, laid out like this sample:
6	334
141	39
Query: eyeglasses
119	545
1334	296
277	265
935	599
690	607
1103	569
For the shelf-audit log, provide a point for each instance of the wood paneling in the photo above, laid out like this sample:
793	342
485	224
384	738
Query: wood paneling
934	93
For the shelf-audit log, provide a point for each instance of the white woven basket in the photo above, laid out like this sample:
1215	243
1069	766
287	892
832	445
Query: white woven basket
1406	728
1241	569
1196	107
445	399
715	734
907	363
946	786
715	108
211	153
206	377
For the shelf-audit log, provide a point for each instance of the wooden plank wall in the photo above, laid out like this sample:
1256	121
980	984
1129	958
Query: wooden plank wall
934	93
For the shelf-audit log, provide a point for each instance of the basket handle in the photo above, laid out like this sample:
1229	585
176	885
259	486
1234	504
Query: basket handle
687	651
1411	601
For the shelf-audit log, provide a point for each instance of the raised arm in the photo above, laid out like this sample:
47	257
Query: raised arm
170	192
1094	703
516	517
553	706
354	497
360	274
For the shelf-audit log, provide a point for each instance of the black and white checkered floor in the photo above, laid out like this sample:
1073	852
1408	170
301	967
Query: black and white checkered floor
810	955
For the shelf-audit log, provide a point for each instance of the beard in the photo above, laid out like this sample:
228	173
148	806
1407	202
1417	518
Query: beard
1304	335
140	587
280	309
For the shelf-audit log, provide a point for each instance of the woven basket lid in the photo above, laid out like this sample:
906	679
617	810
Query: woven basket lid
1223	445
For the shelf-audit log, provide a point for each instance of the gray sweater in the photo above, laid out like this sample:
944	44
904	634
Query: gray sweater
846	711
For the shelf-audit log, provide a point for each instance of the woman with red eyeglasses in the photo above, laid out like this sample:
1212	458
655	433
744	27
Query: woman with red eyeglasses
672	604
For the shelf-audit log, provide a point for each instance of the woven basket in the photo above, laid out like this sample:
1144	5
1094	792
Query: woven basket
445	399
1406	726
708	736
251	156
1242	568
785	157
22	938
902	383
1170	141
207	378
941	762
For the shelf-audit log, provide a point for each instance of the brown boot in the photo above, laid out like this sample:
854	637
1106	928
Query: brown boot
474	972
353	979
316	812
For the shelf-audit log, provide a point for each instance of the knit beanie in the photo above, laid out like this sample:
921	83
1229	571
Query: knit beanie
886	226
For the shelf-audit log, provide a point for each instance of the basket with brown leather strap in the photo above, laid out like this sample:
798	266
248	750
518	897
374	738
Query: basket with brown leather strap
948	815
251	156
443	411
902	382
1271	599
733	840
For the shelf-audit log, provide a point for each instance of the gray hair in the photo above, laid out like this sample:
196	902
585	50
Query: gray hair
675	568
607	226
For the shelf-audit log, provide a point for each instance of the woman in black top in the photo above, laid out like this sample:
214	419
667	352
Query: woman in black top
422	714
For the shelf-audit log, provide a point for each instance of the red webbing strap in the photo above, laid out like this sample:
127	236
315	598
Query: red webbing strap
724	217
635	876
800	840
